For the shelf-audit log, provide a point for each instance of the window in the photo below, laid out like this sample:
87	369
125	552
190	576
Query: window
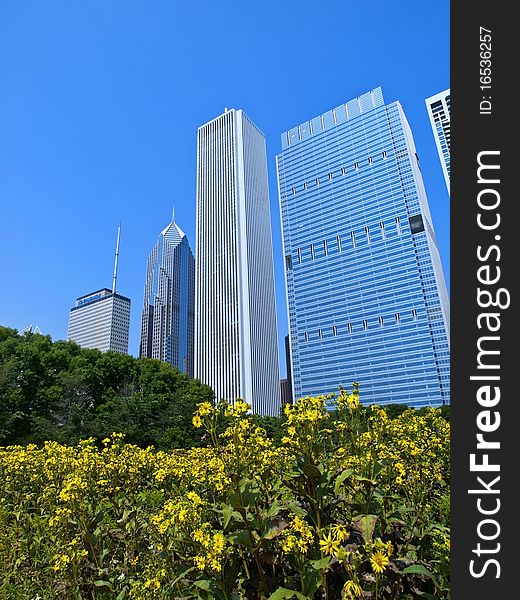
356	166
294	191
334	330
304	185
306	336
383	232
288	262
416	224
367	232
317	181
365	324
338	241
349	327
312	251
343	171
397	317
320	334
384	153
381	322
414	314
299	252
353	238
370	161
330	176
398	225
325	248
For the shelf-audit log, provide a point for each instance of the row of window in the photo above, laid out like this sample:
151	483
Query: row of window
329	176
364	323
416	225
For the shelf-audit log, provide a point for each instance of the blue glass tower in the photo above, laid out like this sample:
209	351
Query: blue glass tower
366	294
168	318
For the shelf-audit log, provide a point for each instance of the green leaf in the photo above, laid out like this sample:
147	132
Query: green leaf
297	509
284	594
121	595
227	512
203	584
365	524
185	572
320	563
275	530
274	509
311	470
418	570
340	479
241	538
102	583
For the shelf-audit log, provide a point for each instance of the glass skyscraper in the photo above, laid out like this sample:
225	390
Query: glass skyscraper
366	294
167	325
101	320
236	350
439	112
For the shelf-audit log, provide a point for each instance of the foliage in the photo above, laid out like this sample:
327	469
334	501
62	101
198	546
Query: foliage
340	507
59	391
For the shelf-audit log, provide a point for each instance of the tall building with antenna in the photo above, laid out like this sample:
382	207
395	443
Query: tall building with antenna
169	295
101	319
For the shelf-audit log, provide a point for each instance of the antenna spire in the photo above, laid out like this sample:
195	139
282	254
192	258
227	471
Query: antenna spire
173	214
117	256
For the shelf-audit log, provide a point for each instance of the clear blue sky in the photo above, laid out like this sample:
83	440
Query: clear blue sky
100	101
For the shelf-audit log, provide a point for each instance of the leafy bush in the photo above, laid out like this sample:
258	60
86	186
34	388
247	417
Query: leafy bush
340	507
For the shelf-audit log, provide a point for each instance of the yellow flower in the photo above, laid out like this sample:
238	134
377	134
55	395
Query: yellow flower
328	544
351	590
379	561
340	532
197	421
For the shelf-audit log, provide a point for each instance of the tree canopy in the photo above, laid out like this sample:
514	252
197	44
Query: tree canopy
60	391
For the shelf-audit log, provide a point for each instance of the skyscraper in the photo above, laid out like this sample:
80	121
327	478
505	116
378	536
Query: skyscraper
366	294
101	320
169	294
236	350
439	112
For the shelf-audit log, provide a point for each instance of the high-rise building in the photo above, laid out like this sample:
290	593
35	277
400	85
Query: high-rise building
367	299
236	350
101	320
169	293
439	112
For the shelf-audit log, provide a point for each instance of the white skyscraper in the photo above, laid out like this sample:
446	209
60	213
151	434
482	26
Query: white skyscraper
236	349
439	112
101	320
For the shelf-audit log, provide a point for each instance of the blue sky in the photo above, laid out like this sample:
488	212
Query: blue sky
100	103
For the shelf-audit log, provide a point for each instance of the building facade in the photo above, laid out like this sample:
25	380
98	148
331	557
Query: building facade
439	112
101	320
167	323
236	350
367	300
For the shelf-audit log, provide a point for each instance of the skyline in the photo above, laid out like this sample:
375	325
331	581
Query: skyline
106	132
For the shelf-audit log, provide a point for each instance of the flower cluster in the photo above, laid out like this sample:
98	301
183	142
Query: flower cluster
326	510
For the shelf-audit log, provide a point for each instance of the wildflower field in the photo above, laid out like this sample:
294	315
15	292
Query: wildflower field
349	504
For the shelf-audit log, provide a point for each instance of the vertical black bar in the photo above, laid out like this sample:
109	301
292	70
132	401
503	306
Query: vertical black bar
483	206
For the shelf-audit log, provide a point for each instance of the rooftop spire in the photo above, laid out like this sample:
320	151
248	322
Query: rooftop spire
115	262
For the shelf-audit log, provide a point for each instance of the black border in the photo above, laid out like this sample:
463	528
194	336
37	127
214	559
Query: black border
473	132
